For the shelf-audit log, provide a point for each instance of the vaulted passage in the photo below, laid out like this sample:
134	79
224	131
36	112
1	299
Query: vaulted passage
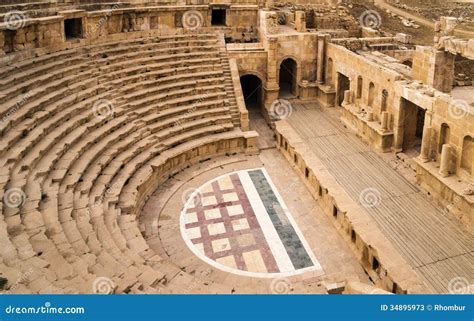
287	78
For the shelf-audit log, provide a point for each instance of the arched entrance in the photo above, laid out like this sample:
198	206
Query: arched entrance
252	91
287	81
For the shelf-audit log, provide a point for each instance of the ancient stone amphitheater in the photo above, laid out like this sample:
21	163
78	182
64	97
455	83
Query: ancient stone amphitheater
232	147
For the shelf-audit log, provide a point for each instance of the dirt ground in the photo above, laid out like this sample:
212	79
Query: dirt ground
393	25
428	9
433	9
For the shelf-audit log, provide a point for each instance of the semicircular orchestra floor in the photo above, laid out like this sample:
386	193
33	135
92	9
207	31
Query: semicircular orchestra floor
237	224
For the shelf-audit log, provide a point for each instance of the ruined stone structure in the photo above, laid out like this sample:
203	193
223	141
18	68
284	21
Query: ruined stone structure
180	146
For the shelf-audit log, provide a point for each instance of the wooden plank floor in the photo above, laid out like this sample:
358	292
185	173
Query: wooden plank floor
436	245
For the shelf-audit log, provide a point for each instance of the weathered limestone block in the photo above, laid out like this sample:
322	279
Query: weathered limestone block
251	146
362	288
370	116
447	25
368	32
469	49
300	21
404	38
271	23
334	288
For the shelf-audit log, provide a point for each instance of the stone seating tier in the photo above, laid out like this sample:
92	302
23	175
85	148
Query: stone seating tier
86	172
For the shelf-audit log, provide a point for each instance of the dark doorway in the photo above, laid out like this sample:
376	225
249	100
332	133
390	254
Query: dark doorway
383	106
218	17
8	45
252	91
413	124
73	28
127	23
408	63
287	79
343	84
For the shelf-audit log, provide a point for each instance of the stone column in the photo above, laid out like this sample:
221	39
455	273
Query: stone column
384	120
272	87
370	116
425	145
320	69
445	160
271	61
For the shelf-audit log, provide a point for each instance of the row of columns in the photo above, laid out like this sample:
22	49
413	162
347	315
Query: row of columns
384	116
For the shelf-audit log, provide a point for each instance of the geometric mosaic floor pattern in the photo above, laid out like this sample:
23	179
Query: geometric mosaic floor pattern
239	223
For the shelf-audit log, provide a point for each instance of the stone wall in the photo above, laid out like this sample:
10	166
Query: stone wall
361	73
303	49
404	56
49	32
434	67
378	114
251	59
450	122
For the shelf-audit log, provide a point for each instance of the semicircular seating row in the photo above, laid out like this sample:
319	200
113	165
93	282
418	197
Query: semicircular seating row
39	5
86	135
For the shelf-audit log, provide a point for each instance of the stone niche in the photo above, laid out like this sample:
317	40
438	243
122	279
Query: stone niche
74	24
